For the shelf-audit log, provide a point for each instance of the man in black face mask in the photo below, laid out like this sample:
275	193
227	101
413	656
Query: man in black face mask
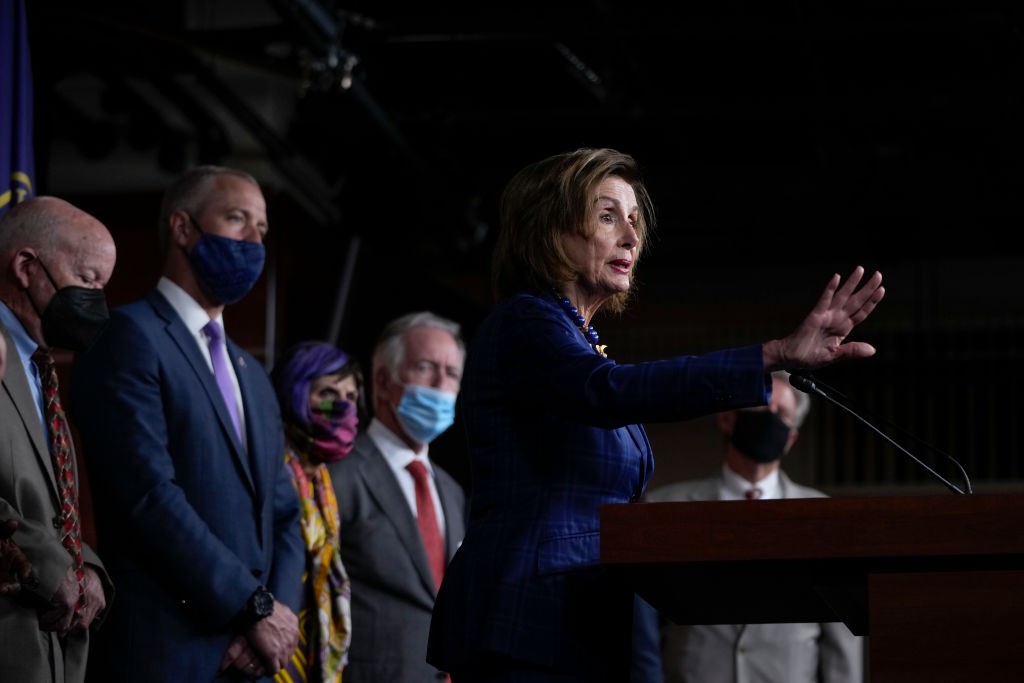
755	441
55	260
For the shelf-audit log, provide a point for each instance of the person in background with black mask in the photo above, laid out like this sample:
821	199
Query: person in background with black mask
755	440
395	571
55	260
182	434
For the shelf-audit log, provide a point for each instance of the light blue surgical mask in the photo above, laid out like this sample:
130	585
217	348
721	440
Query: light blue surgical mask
424	412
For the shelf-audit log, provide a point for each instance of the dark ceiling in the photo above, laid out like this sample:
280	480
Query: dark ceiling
781	140
876	132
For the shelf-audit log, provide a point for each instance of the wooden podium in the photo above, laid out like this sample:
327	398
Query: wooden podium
935	582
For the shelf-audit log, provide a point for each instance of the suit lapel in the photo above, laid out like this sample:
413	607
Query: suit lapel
15	383
384	489
193	356
243	372
450	545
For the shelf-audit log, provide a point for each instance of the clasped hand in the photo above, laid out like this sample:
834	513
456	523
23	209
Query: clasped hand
266	646
61	615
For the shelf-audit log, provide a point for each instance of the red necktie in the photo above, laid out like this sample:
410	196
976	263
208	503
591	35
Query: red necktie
60	452
753	493
426	518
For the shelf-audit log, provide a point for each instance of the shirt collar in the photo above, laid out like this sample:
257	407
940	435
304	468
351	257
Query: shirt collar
24	344
736	486
397	454
190	312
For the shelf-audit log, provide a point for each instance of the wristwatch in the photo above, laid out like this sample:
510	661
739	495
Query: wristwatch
259	606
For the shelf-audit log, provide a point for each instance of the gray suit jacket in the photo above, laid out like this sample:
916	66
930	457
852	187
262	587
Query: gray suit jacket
28	493
755	653
392	585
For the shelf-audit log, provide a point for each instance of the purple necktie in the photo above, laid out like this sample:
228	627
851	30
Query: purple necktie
215	339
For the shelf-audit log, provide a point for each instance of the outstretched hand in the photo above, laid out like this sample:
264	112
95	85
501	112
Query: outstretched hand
821	338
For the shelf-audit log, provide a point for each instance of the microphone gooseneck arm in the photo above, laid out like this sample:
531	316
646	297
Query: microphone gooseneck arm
807	385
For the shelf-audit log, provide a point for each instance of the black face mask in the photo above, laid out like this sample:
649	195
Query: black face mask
74	317
760	435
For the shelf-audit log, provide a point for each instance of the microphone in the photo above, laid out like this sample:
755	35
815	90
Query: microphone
806	384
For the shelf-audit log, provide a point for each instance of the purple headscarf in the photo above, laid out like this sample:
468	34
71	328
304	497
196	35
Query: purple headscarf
321	433
299	366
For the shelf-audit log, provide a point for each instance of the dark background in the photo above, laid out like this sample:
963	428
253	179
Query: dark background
782	142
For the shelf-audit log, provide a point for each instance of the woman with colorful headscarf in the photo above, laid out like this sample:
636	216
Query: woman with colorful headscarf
319	387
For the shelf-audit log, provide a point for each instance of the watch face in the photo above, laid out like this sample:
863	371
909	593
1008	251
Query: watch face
263	603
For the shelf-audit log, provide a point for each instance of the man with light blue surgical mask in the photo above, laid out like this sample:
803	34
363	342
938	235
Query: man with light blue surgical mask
402	515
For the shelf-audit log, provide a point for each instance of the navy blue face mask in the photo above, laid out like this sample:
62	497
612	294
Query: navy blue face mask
226	268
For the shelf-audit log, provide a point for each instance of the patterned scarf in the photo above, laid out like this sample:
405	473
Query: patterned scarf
325	619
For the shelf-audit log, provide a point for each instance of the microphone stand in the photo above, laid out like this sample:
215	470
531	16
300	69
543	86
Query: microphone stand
807	384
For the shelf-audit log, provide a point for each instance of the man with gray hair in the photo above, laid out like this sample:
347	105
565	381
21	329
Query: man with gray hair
755	440
402	516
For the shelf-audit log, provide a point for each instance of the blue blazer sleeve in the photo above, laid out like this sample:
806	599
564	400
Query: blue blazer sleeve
547	361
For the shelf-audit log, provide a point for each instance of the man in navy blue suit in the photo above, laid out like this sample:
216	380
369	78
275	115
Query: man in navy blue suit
194	506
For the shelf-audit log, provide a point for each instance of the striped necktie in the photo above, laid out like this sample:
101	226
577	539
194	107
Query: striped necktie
63	467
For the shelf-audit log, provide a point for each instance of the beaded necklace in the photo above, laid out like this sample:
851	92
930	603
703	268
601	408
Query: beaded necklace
588	330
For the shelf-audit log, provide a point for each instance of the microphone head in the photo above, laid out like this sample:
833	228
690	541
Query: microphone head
804	384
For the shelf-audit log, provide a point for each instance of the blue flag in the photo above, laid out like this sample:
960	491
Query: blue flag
17	162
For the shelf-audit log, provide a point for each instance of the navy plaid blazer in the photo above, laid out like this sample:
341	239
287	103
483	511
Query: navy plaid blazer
554	431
